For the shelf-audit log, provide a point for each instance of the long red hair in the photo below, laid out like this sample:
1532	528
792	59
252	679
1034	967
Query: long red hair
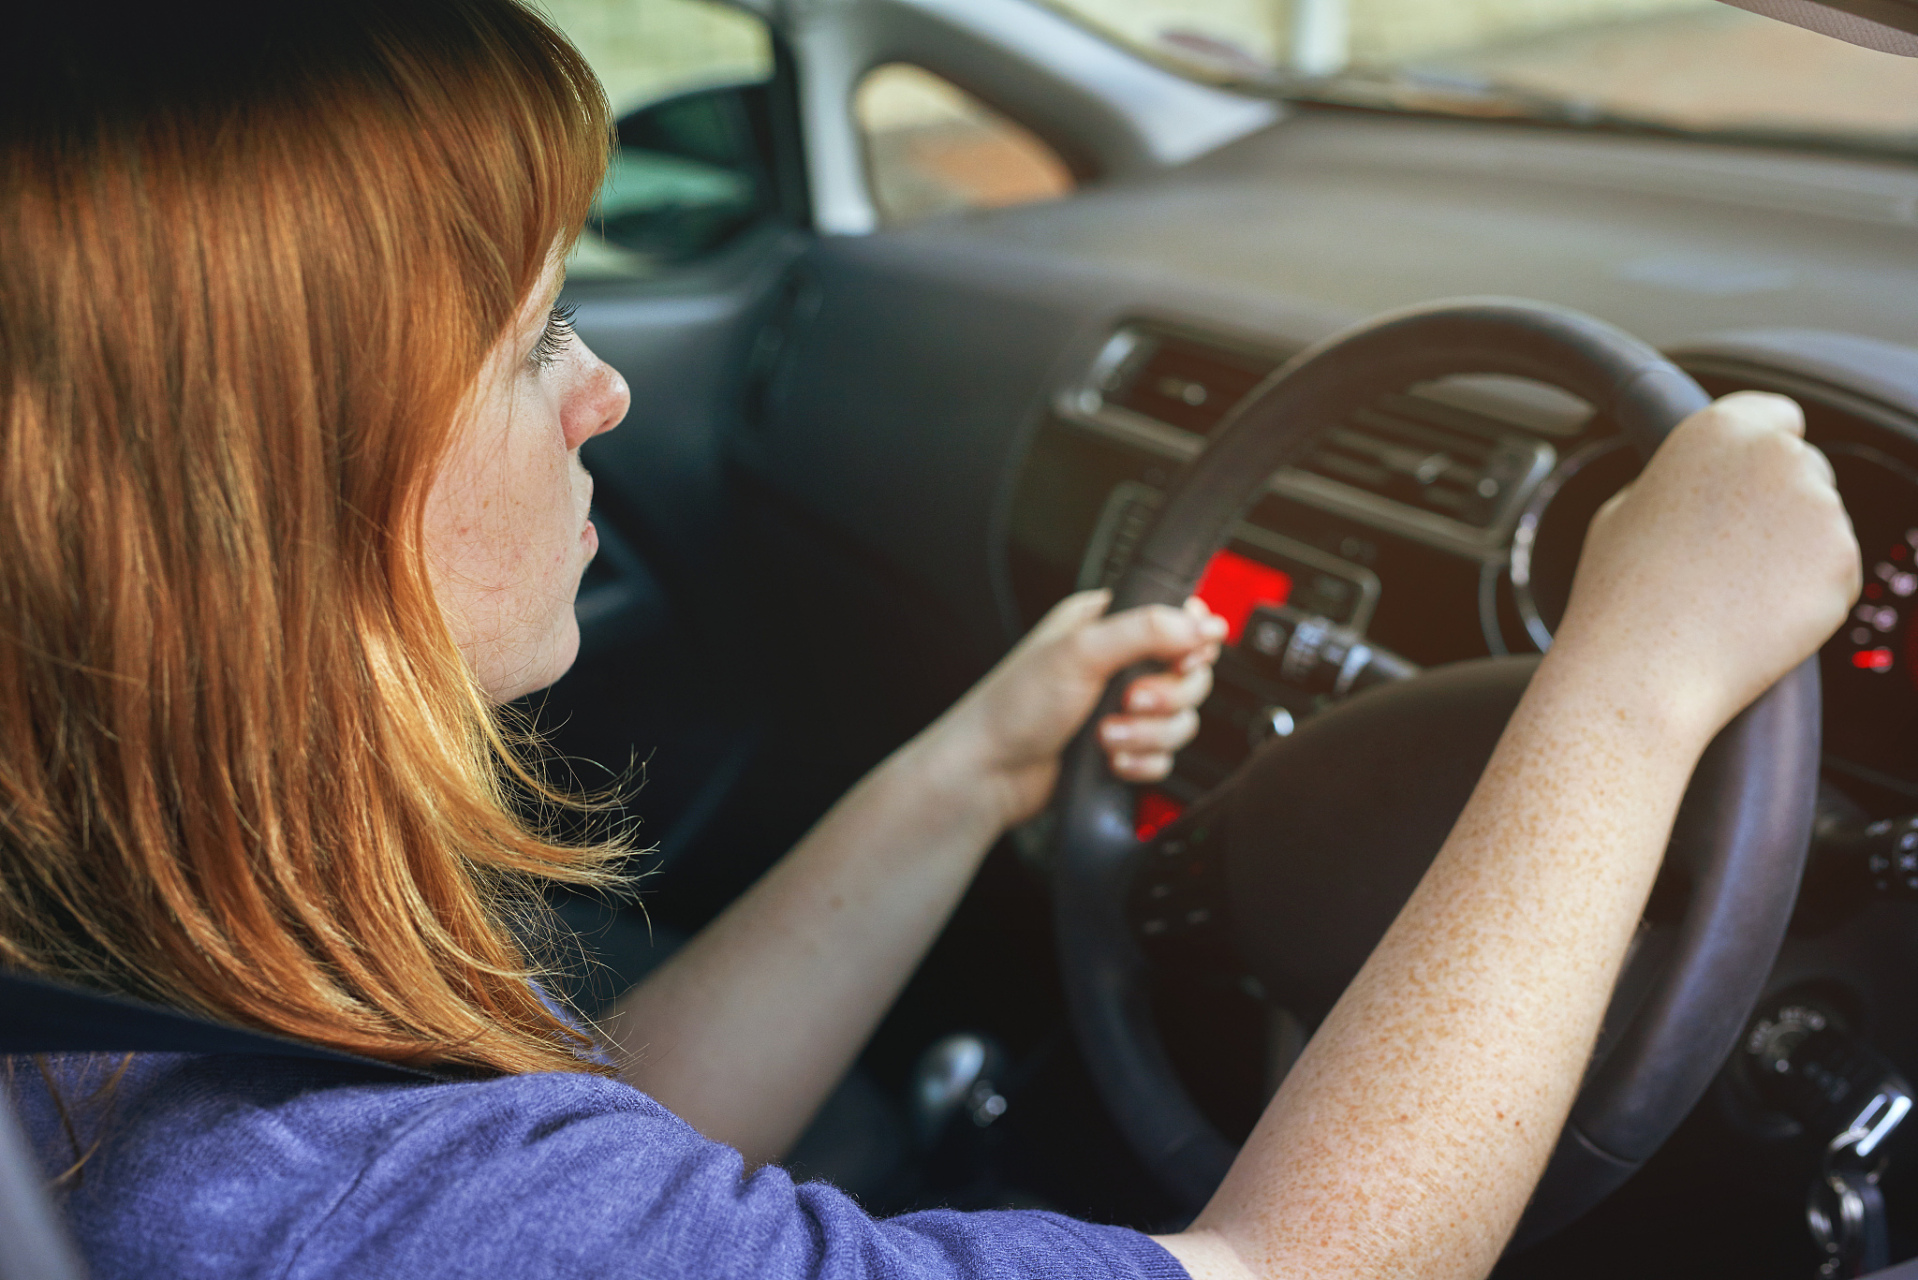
252	257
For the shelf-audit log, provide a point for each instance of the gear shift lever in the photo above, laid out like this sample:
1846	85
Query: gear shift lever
954	1077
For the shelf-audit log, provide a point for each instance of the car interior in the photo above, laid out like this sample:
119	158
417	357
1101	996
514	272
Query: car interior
928	308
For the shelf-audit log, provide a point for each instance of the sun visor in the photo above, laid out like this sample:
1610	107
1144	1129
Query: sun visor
1890	26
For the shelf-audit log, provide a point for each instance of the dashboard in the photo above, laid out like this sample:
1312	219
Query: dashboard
1441	523
949	427
863	465
1444	522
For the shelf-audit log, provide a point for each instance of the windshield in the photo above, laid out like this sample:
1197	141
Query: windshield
1690	65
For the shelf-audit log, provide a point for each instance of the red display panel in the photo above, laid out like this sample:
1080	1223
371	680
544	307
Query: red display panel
1233	585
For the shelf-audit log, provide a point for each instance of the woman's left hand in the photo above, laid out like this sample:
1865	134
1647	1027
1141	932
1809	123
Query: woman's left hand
1015	723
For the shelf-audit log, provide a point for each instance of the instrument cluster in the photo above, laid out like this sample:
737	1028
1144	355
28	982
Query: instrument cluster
1870	667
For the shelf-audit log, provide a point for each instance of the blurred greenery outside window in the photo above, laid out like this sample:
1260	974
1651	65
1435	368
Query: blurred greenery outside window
687	175
932	149
1689	65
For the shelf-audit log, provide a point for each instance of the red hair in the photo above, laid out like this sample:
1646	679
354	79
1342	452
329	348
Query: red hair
252	258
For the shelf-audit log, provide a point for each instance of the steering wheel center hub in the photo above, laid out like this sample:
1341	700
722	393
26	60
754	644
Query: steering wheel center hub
1329	830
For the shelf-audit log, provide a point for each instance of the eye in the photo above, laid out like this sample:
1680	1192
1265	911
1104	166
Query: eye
554	337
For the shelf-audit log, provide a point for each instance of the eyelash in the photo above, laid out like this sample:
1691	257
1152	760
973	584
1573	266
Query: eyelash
554	337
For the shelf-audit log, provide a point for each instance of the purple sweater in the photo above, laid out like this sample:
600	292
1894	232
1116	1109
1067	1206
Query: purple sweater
255	1166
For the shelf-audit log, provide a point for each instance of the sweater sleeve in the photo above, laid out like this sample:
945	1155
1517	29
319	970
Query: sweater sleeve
578	1176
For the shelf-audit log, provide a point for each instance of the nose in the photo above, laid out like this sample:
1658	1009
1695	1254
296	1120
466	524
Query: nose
597	401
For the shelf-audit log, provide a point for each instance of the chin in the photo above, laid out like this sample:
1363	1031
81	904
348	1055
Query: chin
552	659
560	653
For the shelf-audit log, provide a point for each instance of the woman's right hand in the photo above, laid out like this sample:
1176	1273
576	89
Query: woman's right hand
1725	564
1409	1135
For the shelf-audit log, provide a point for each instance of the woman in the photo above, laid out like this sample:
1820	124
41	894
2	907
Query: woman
292	503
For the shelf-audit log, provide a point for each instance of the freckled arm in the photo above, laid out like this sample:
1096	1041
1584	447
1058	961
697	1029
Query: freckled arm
748	1027
1410	1133
746	1030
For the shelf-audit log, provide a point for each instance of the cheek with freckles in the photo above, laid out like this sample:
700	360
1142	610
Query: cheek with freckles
504	545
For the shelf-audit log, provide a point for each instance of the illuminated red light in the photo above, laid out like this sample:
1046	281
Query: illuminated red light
1872	659
1234	585
1155	813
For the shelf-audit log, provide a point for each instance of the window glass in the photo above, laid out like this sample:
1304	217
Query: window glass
645	50
1695	65
932	148
686	79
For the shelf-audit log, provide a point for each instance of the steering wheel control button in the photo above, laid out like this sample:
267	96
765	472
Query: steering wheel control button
1178	884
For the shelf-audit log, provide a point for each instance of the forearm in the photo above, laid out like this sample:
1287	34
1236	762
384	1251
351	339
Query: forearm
747	1028
1410	1134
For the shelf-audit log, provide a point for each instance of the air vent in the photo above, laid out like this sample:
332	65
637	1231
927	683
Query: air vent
1429	453
1431	456
1183	383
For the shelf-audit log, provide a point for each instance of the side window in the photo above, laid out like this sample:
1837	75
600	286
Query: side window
690	84
932	148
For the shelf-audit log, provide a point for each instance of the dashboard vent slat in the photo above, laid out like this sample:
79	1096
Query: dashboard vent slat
1413	450
1395	449
1186	384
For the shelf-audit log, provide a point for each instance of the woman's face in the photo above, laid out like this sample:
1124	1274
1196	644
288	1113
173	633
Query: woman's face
507	536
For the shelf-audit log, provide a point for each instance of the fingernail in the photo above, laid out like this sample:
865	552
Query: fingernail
1214	627
1116	733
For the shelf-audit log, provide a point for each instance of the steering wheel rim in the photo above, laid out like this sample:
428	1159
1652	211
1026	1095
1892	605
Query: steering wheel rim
1747	818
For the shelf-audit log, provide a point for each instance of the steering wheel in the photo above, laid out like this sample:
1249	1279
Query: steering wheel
1292	869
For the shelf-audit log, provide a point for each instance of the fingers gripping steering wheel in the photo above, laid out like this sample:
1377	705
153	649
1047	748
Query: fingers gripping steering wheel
1301	859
